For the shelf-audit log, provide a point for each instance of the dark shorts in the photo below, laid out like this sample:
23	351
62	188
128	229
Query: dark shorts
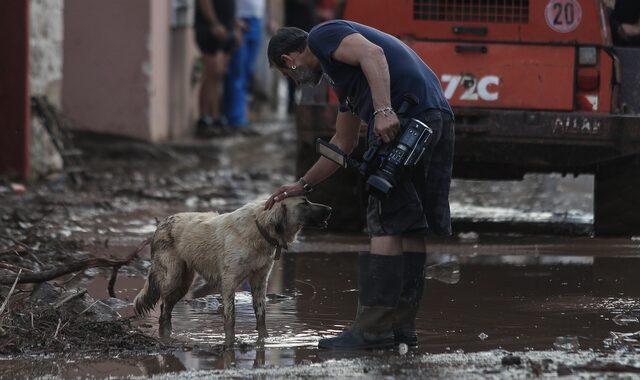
419	204
208	44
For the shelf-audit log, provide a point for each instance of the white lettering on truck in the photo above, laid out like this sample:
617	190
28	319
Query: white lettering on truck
483	89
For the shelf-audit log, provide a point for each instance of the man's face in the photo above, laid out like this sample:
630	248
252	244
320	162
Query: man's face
304	76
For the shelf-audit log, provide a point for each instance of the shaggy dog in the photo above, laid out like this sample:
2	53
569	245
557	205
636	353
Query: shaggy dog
225	249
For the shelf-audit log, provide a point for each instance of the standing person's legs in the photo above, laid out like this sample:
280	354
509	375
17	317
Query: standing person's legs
379	286
234	86
413	280
432	182
254	40
237	83
215	68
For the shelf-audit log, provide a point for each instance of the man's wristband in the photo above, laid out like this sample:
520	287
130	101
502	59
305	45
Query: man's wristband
383	110
306	186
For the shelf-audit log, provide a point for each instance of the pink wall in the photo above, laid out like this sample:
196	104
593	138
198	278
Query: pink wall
159	89
115	75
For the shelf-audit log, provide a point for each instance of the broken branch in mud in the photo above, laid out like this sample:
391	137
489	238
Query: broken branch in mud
37	277
69	298
18	248
6	300
13	268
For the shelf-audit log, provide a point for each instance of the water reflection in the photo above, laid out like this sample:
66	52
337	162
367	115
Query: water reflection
510	301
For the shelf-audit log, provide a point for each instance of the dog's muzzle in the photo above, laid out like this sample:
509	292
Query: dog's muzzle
318	216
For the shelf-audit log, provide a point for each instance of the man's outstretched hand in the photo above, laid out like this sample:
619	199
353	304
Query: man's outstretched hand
283	192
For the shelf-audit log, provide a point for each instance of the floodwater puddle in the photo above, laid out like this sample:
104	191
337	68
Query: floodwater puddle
563	294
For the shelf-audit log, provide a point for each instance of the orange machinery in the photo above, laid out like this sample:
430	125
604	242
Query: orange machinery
536	85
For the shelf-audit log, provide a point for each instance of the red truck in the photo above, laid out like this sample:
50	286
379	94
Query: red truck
537	86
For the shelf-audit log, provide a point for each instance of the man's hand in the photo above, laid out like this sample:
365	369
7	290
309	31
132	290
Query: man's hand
219	32
283	192
386	126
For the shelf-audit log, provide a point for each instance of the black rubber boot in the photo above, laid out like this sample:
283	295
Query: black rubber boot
380	283
404	321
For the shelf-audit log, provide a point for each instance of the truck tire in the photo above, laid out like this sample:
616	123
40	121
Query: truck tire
616	204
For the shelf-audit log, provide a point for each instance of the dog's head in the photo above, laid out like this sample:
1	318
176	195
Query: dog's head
291	214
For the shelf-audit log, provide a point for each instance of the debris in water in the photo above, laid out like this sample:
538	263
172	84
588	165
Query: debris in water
510	359
18	188
624	319
483	336
563	370
468	236
567	343
448	272
115	303
620	340
403	348
208	302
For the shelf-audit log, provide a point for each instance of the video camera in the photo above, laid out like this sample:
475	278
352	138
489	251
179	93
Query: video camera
382	164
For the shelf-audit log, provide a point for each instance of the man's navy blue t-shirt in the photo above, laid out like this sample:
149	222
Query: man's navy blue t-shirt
408	73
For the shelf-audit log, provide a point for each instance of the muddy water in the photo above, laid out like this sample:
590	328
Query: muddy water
513	294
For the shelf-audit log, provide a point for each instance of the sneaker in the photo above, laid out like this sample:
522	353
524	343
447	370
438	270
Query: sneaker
206	127
249	132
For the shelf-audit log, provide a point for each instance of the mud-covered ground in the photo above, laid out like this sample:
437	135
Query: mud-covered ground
559	304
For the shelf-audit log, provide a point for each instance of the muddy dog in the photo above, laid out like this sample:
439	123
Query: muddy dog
225	249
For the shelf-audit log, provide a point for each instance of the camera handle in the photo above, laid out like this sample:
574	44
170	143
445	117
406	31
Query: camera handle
408	101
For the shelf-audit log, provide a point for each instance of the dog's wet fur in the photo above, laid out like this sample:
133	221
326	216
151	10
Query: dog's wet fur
225	249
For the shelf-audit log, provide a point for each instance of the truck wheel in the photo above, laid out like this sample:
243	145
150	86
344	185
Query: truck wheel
616	204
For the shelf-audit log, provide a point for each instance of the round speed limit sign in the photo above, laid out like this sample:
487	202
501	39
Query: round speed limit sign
563	16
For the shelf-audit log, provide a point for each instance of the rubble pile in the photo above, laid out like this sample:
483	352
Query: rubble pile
54	320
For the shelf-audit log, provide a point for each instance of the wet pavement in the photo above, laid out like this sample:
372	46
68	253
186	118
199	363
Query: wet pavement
561	304
508	298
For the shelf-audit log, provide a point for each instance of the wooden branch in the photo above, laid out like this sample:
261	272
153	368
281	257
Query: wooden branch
14	241
112	282
38	277
13	268
6	300
18	247
70	297
14	250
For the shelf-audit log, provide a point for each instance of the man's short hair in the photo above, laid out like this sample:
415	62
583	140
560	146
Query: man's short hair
285	41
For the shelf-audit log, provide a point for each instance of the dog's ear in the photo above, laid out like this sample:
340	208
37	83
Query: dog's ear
281	219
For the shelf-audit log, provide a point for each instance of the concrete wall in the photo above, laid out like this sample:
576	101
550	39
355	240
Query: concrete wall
159	42
45	77
45	70
129	67
183	94
115	75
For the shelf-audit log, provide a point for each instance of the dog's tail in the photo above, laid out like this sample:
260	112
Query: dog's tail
148	296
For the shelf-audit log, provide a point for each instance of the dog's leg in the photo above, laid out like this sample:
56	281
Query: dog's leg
179	281
258	282
229	309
